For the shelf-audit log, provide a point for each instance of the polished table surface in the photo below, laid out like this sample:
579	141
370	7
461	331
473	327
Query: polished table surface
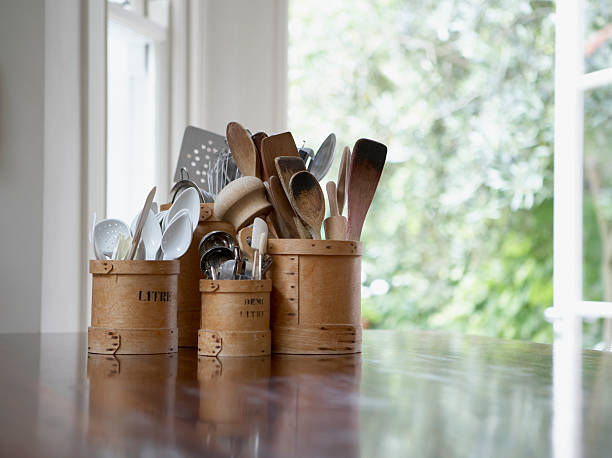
408	394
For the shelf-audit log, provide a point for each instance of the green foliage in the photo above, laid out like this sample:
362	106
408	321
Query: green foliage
460	233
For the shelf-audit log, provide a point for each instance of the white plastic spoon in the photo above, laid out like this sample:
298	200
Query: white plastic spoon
189	200
177	237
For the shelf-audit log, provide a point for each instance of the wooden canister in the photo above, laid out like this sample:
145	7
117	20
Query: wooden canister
188	302
133	307
316	296
235	318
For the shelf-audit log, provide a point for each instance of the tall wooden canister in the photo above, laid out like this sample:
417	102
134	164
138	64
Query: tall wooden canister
188	302
316	296
133	307
235	318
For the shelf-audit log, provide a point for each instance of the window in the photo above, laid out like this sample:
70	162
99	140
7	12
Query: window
137	121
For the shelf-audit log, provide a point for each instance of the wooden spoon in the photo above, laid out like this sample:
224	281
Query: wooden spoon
308	201
242	148
335	225
367	162
273	147
281	204
141	222
345	163
257	139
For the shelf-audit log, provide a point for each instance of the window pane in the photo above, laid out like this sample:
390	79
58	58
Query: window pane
131	158
598	39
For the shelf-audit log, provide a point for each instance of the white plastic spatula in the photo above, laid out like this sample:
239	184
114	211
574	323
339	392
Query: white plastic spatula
260	228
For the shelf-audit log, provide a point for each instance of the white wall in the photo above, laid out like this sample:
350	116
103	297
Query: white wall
245	55
21	162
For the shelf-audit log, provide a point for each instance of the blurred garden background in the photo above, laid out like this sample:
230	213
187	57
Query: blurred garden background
460	233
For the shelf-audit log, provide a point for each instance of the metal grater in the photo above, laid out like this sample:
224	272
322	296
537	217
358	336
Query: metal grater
200	150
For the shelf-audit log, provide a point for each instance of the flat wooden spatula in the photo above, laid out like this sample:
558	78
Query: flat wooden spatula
367	162
257	139
242	148
273	147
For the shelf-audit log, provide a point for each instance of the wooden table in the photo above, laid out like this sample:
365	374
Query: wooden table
409	394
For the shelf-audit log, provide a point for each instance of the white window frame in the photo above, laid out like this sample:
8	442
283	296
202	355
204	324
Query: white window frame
571	83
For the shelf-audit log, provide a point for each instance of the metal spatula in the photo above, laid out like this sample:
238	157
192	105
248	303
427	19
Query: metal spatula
200	149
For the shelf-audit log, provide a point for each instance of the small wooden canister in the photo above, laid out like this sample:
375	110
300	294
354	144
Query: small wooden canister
133	307
188	302
235	318
316	296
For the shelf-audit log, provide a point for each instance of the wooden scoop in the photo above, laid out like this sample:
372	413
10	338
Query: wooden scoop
335	225
367	162
308	201
345	163
273	147
287	166
242	148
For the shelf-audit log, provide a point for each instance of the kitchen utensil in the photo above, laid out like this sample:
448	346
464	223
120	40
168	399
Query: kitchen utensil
260	228
263	242
257	139
272	232
323	160
243	149
168	219
286	167
287	216
244	238
216	238
335	225
236	262
307	200
151	234
276	146
186	199
226	272
211	260
141	221
141	251
306	154
199	149
105	235
187	183
241	201
345	163
367	162
177	237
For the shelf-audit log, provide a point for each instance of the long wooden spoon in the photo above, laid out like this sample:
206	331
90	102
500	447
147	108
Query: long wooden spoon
367	162
242	148
144	214
308	201
335	225
345	162
273	147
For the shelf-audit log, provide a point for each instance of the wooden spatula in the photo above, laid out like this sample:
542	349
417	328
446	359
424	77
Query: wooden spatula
144	214
281	204
345	162
257	139
367	162
273	147
286	167
242	148
308	201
